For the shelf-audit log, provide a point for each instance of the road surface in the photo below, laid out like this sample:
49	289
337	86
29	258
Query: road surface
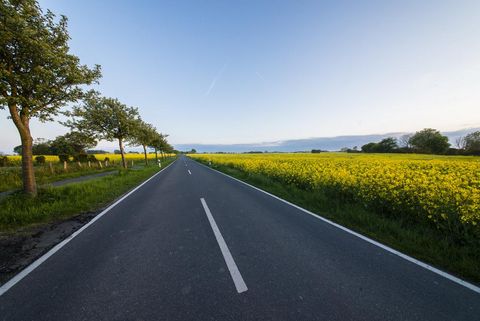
193	244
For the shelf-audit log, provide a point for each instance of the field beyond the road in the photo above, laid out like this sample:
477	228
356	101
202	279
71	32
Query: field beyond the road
53	170
425	205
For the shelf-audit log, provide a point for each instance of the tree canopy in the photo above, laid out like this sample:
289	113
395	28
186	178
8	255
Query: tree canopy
144	135
104	118
72	144
386	145
472	143
429	141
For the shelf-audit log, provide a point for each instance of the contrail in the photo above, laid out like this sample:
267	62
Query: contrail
259	75
214	81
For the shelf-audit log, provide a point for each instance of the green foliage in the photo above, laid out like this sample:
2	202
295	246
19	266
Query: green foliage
63	158
40	159
160	143
3	161
472	143
72	143
103	118
386	145
429	141
41	147
18	150
11	177
143	134
81	157
369	148
38	73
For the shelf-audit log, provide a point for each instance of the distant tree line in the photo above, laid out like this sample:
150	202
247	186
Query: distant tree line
426	141
71	144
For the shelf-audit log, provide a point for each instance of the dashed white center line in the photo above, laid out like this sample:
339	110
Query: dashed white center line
232	267
189	172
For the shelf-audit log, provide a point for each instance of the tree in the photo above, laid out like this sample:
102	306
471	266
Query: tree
472	143
429	141
72	144
460	142
104	118
369	148
41	146
404	141
159	143
18	150
386	145
38	75
144	134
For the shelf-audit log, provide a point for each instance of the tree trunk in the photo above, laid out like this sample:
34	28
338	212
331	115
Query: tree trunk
28	172
156	155
122	152
22	122
145	153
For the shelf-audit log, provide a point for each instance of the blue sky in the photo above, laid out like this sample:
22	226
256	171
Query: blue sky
255	71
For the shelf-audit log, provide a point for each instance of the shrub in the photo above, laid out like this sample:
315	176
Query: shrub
3	161
63	158
92	158
106	159
40	159
81	157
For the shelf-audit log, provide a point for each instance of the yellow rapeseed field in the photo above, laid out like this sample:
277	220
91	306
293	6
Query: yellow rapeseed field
16	160
444	190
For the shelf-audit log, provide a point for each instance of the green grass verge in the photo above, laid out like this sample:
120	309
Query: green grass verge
56	203
11	179
421	241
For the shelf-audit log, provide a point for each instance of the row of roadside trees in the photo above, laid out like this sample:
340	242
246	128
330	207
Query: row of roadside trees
108	119
428	141
39	77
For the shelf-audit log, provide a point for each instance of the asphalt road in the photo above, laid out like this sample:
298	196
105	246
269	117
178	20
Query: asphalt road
164	254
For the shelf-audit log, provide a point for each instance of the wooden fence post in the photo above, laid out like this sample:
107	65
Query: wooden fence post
64	165
100	164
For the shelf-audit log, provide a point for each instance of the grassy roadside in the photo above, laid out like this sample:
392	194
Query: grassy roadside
11	178
56	203
421	241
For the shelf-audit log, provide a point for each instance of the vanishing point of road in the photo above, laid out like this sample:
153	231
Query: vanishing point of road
194	244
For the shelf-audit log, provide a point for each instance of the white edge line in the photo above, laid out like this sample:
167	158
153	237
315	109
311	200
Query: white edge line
386	248
17	278
227	256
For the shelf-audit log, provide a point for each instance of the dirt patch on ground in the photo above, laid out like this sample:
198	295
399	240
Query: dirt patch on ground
20	248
